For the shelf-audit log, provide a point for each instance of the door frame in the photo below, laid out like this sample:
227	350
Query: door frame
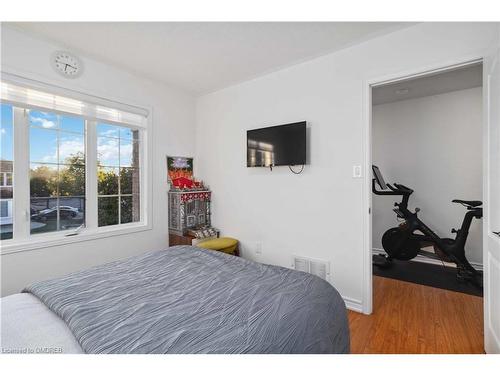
368	85
491	340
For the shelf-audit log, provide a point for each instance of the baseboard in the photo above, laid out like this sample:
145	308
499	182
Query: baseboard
353	304
422	259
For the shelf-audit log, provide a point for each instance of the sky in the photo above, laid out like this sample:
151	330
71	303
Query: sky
114	144
5	132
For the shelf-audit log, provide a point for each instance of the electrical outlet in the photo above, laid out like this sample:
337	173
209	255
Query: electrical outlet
258	248
356	171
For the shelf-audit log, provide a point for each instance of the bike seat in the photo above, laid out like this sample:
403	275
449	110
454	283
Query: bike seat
468	203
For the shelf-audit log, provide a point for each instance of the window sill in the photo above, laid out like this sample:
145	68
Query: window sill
61	238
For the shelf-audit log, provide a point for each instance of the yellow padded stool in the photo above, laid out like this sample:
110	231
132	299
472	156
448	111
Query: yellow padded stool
227	245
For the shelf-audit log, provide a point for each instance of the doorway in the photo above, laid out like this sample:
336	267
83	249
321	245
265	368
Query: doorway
426	133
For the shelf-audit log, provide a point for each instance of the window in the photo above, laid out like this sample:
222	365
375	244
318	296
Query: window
57	172
7	179
118	181
4	210
6	163
78	164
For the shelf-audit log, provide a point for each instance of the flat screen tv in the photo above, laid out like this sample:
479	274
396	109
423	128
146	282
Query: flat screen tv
277	145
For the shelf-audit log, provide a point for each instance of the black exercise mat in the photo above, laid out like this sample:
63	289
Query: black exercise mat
427	274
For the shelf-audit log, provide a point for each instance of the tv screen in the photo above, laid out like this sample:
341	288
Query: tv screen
277	145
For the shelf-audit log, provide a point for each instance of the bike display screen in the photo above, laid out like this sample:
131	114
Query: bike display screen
378	176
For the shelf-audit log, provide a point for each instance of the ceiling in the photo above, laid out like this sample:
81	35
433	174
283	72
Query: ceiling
433	84
201	57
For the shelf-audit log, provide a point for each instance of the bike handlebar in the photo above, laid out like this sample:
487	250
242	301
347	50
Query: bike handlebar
398	190
404	188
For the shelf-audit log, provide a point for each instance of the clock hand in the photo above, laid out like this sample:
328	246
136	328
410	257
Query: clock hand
66	66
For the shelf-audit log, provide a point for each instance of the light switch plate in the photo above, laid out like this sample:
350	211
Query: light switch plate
356	171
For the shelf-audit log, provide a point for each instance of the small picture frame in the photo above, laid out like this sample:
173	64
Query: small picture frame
179	167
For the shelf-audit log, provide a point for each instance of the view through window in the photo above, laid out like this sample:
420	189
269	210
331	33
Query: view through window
118	175
57	172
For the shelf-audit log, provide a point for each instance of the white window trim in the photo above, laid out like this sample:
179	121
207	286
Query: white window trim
22	240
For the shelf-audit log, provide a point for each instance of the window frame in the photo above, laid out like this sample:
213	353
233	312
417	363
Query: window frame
22	239
58	163
120	194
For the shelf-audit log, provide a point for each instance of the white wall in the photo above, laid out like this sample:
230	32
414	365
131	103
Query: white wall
320	212
173	132
433	145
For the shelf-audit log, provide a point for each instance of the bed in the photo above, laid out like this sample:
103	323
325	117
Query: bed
179	300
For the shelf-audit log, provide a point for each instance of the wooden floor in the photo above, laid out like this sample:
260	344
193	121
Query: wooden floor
412	318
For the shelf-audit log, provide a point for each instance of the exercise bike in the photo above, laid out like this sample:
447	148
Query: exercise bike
406	241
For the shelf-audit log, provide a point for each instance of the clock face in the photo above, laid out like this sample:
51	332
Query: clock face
67	64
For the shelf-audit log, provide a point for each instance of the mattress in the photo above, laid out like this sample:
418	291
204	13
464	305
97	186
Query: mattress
180	300
30	327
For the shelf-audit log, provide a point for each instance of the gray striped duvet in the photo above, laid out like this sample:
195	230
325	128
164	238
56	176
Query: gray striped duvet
189	300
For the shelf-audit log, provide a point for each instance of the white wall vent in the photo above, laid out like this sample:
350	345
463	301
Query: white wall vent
317	267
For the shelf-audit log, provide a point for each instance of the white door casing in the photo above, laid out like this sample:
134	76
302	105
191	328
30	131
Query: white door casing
491	240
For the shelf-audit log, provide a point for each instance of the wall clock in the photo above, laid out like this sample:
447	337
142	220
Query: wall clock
67	64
